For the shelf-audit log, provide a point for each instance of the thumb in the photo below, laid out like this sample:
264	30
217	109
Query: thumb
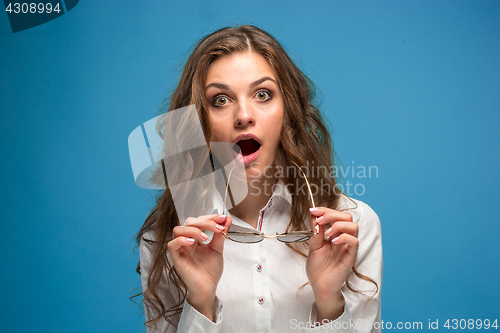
217	243
318	240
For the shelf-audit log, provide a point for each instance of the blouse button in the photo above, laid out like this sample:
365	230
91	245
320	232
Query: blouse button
258	268
261	300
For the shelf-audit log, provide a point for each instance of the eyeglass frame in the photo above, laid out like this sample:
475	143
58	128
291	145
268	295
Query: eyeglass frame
309	234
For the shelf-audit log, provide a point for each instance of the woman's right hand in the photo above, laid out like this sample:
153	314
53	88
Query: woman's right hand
200	265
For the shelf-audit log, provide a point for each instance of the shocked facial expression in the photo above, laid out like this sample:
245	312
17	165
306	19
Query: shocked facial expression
246	108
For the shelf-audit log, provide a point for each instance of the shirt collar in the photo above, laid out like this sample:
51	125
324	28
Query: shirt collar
280	191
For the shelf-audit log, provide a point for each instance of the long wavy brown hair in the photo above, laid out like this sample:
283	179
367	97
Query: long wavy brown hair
305	140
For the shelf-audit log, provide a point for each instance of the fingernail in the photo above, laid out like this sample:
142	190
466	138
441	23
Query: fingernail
222	216
219	227
204	236
190	240
335	240
328	232
319	219
313	210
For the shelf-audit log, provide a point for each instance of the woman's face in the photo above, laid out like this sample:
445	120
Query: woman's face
246	108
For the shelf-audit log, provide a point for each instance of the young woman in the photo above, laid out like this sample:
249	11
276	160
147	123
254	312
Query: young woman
324	272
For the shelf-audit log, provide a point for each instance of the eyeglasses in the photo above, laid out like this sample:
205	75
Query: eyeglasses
256	237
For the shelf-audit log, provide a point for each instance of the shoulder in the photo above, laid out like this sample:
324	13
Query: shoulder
369	257
147	248
148	240
147	245
362	213
148	236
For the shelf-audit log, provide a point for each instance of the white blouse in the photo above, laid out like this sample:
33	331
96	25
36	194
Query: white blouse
262	288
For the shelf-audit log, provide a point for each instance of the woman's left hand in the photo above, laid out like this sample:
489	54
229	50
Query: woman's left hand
330	261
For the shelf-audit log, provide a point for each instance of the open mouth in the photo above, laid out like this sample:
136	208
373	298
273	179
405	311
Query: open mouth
248	146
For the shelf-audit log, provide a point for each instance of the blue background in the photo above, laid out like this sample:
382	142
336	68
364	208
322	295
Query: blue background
412	87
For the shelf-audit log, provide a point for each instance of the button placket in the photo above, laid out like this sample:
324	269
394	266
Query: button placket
262	294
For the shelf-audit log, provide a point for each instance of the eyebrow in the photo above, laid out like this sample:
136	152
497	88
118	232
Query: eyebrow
253	84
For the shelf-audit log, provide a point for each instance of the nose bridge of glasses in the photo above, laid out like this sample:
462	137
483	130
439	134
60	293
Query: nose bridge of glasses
257	237
270	236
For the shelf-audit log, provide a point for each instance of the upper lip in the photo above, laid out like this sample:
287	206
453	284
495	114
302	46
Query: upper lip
247	136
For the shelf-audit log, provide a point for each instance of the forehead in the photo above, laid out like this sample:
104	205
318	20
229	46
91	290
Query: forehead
239	68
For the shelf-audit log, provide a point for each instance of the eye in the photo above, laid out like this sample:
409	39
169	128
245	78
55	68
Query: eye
263	95
220	100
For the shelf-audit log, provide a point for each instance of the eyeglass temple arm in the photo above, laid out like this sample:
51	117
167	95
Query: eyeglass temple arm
310	193
308	185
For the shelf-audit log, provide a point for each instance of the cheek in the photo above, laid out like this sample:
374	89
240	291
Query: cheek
219	129
275	124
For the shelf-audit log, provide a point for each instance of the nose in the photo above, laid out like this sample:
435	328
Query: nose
244	115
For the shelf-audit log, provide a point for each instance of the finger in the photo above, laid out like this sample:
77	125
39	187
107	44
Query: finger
215	226
351	242
325	215
176	244
332	216
191	232
217	243
318	240
339	227
216	218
